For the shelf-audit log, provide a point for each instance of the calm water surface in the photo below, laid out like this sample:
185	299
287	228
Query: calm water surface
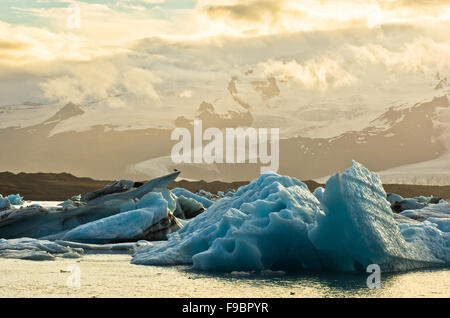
114	276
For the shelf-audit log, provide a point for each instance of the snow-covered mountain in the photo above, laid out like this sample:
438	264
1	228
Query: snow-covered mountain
406	142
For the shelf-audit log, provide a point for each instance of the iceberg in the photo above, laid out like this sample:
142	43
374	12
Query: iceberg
117	247
188	194
272	224
357	227
44	250
188	208
441	210
399	204
262	226
127	192
33	249
10	200
15	199
53	223
276	223
4	203
152	221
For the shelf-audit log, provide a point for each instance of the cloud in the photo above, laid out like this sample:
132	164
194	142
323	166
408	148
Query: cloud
256	10
318	74
84	83
137	59
12	45
273	16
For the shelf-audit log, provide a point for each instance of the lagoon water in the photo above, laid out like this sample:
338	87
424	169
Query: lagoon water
112	275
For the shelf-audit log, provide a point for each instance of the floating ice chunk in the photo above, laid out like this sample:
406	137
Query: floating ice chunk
33	244
71	255
398	204
33	249
39	222
76	197
393	198
208	195
240	273
68	204
188	208
441	210
27	255
15	199
188	194
126	247
144	223
407	204
358	227
4	204
99	197
269	272
275	223
263	226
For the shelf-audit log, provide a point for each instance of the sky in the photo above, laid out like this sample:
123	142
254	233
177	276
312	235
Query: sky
165	57
39	29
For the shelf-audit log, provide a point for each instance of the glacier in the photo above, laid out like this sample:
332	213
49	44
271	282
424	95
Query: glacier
276	223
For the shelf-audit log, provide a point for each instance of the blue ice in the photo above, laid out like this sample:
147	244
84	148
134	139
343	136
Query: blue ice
125	226
276	223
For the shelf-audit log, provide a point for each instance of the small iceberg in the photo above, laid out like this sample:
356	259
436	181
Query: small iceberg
10	200
54	223
152	222
37	250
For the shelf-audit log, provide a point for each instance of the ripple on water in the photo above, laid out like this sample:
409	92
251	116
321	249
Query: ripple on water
113	276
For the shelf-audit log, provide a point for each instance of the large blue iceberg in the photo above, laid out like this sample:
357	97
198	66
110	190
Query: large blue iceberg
276	223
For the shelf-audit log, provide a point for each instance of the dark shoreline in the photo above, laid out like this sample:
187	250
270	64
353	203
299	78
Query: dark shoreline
61	186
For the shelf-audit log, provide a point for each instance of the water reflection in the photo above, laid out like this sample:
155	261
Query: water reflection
420	283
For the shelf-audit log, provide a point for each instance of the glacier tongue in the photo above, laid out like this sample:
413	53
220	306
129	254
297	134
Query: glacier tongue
276	223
